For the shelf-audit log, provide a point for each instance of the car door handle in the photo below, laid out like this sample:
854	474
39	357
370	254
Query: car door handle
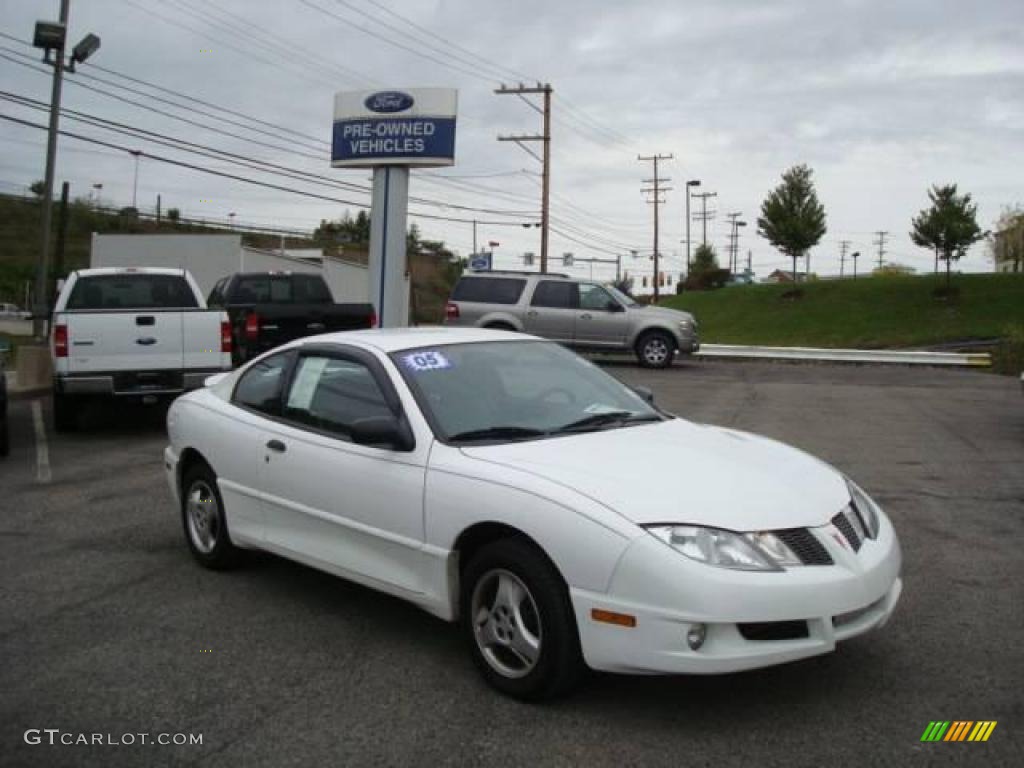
532	313
586	316
146	341
277	446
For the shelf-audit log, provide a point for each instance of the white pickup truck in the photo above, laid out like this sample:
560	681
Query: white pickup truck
132	332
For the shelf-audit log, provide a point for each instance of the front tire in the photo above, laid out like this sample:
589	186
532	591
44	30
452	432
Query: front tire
204	521
519	623
655	349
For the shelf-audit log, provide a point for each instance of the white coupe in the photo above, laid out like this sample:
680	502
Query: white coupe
504	482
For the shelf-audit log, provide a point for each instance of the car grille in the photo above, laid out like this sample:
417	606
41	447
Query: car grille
846	527
805	545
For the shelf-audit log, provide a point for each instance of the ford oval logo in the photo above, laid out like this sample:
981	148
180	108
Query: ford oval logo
388	101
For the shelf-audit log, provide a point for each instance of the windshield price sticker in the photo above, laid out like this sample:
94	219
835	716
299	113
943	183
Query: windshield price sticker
426	361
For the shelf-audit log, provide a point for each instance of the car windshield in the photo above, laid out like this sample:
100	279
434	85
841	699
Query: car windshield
625	298
502	391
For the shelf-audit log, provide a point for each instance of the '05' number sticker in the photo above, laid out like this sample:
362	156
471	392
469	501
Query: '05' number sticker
426	361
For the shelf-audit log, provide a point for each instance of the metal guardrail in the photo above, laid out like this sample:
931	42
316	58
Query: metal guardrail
899	357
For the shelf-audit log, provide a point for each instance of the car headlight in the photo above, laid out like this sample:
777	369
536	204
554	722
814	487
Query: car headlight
865	508
726	549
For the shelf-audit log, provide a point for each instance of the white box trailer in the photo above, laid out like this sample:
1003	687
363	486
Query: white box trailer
210	257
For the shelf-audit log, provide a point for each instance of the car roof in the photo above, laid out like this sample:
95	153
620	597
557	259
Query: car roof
396	339
130	271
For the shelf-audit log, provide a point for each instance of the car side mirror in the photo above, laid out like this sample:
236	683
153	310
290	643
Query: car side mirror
381	432
645	393
614	306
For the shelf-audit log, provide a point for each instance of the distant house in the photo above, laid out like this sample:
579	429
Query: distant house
784	276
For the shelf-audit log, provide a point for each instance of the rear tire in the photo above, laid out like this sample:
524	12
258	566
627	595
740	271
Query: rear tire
655	349
65	412
204	521
518	620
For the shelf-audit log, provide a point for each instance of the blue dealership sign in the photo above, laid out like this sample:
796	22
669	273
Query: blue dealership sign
407	127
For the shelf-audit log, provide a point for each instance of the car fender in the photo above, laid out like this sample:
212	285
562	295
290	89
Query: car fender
581	536
655	325
504	317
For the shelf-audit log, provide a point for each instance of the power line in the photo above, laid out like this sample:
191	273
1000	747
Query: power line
243	179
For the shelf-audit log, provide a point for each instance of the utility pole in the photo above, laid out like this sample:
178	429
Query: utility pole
689	185
704	216
135	183
474	237
158	210
545	160
880	242
733	240
844	246
656	201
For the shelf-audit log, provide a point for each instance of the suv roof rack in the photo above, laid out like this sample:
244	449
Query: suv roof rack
484	272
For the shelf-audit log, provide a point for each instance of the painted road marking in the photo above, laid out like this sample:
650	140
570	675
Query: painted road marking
43	474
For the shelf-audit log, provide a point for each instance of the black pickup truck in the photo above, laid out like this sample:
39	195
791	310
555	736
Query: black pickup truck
267	309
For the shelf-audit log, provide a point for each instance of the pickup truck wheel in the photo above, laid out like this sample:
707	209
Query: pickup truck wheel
655	349
202	515
519	623
65	414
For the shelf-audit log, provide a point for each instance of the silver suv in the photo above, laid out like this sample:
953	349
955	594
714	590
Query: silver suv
579	313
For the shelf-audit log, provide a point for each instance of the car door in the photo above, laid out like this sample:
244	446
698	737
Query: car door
601	321
356	509
256	398
552	310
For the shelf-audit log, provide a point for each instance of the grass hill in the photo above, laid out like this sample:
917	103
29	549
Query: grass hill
867	313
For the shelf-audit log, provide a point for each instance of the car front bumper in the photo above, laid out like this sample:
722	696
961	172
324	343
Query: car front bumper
750	620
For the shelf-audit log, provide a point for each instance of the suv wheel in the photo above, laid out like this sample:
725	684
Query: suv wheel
655	349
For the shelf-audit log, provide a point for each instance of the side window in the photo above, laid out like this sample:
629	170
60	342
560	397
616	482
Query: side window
489	290
260	386
331	393
594	297
558	294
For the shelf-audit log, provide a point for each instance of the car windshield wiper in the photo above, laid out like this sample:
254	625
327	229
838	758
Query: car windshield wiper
498	433
598	420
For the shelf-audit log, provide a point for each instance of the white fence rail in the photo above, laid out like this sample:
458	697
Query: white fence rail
899	357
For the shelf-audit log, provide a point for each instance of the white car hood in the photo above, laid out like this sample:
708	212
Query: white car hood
680	472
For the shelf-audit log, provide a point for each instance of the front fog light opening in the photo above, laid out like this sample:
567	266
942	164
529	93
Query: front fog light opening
695	636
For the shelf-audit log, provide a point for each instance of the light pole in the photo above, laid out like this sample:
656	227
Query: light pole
856	255
51	37
691	183
97	190
736	245
231	221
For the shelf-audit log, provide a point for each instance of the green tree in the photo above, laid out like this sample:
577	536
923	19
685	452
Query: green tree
38	188
949	226
173	215
792	219
704	260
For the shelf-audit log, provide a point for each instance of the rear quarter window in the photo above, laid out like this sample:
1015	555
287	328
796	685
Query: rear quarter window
489	290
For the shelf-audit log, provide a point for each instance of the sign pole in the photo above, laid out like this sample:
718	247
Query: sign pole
387	244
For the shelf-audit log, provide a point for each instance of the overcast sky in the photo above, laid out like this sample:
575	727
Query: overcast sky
881	99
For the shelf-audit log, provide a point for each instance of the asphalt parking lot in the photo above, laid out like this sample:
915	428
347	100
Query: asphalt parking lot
108	626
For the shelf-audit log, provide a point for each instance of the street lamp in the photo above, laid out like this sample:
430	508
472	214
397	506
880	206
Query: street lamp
51	37
231	220
689	184
135	184
736	247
